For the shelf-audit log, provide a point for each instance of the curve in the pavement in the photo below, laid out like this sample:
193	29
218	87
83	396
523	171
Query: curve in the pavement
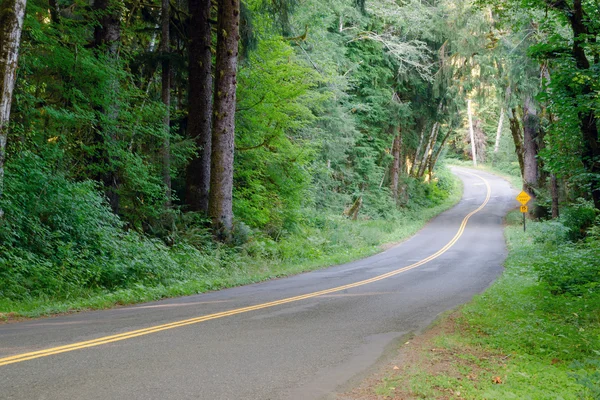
158	328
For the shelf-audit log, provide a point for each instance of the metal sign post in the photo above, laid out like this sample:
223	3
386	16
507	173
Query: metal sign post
523	198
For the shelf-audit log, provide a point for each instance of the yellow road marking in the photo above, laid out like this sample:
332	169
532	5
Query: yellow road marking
158	328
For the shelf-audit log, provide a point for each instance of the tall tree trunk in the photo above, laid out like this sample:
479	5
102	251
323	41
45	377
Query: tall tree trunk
436	155
395	169
554	195
498	133
515	130
107	38
166	98
426	154
12	15
199	105
223	131
588	119
471	134
591	152
54	11
530	147
417	152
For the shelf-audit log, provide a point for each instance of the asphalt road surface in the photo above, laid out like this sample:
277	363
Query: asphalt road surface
304	337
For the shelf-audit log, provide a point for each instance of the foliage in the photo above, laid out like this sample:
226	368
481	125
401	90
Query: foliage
158	271
517	339
60	239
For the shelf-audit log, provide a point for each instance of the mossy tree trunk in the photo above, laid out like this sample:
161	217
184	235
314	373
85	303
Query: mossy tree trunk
12	15
515	130
530	147
199	105
223	130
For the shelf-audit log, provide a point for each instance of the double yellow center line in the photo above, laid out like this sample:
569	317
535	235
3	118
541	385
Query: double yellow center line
158	328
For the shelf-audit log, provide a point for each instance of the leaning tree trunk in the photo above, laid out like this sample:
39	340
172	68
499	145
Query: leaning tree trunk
12	15
223	131
530	147
166	99
417	152
428	149
395	169
199	105
433	159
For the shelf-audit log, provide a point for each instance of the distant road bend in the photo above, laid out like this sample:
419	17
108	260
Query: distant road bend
304	337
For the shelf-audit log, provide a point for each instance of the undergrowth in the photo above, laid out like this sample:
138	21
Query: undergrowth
535	333
62	249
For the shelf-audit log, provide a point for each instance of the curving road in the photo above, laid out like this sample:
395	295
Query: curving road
304	337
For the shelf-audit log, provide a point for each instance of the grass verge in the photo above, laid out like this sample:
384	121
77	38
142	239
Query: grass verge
521	339
334	241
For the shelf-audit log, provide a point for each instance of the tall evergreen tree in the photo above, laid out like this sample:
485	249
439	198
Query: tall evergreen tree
223	130
200	94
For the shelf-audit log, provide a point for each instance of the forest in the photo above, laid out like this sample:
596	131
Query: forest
146	147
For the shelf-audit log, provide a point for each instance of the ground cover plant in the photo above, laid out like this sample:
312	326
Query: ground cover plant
534	334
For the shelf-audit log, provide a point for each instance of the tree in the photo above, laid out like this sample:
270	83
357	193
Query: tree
165	49
530	147
12	15
199	104
107	39
220	205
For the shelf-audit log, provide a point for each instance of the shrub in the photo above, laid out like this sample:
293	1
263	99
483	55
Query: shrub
59	238
578	217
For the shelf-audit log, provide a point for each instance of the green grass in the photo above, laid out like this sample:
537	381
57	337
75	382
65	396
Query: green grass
337	240
519	339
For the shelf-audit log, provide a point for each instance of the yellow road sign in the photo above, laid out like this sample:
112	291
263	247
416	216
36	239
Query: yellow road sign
524	209
523	198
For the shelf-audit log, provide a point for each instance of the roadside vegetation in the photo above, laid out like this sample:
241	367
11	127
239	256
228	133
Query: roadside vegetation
77	256
534	334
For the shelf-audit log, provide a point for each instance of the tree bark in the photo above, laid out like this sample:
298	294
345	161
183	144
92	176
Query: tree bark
554	195
108	31
426	154
499	132
107	39
436	155
12	16
417	152
530	147
223	131
199	105
54	11
395	169
515	130
471	134
166	99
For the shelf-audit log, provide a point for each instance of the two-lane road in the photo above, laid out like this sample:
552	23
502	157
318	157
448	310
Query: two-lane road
296	338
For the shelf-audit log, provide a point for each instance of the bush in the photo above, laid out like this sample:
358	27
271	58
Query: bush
566	267
60	239
578	217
